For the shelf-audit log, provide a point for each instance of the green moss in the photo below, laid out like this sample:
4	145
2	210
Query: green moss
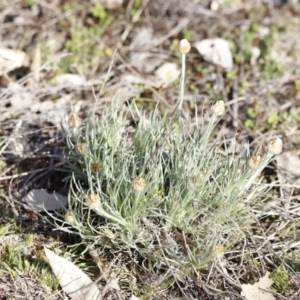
19	258
2	164
85	55
3	230
174	44
101	14
201	70
273	119
297	84
136	5
193	88
281	279
188	34
253	111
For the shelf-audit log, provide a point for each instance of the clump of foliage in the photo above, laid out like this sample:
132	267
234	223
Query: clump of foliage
164	192
83	45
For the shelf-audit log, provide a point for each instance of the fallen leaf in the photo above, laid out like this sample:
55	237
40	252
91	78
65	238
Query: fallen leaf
110	4
40	200
70	79
216	4
216	51
288	171
12	59
288	164
259	290
166	74
73	281
54	111
17	144
140	57
21	100
255	54
113	284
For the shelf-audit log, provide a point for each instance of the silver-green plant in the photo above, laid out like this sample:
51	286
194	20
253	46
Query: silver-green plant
164	192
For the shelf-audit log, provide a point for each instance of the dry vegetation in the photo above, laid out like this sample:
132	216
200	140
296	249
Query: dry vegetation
100	46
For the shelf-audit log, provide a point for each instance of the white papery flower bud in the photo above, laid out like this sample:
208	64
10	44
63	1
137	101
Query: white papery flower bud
81	148
74	121
184	46
254	162
218	108
70	218
93	201
139	184
275	146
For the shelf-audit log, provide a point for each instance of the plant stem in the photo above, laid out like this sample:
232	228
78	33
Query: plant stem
182	83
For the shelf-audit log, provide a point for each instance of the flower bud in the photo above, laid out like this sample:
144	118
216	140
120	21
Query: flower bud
197	178
70	218
93	201
139	184
81	148
74	121
184	46
254	162
275	146
95	168
220	251
218	108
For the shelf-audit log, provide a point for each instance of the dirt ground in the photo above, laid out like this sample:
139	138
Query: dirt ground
67	54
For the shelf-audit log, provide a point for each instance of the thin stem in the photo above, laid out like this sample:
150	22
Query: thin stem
182	83
264	163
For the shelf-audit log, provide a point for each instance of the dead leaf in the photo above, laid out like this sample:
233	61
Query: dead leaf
21	100
40	200
73	281
260	290
255	54
216	4
141	58
166	74
114	284
12	59
17	144
55	111
70	79
288	171
110	4
288	164
216	51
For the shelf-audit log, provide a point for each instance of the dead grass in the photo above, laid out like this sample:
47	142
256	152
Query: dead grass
262	97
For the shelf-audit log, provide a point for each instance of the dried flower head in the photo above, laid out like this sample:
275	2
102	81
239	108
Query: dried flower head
93	201
184	46
203	173
220	251
95	168
254	162
275	146
194	179
139	184
81	148
197	178
218	108
70	218
167	147
74	121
